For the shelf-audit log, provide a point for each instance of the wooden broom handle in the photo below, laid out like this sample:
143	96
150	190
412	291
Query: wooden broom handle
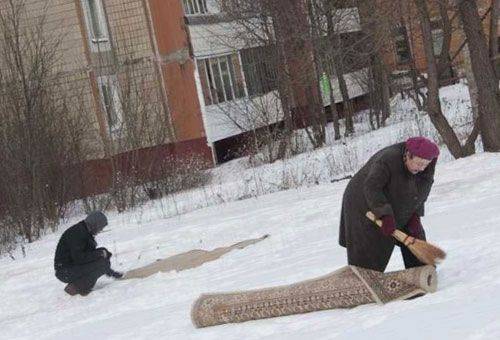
399	235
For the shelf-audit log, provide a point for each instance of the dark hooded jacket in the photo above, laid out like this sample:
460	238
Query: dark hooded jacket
76	246
386	187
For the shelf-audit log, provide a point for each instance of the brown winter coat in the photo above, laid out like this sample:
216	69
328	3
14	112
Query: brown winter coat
384	186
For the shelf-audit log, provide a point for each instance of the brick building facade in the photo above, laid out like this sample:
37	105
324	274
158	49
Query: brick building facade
405	45
158	80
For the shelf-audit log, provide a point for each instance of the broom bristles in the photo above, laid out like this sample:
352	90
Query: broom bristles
427	253
424	251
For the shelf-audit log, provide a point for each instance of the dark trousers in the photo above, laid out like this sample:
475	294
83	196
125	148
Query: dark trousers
378	262
409	259
84	276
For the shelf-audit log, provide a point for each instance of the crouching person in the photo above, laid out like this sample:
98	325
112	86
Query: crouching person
78	262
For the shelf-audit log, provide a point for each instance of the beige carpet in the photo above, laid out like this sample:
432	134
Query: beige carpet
347	287
191	259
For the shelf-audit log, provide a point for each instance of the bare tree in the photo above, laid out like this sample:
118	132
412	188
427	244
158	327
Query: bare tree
493	34
138	126
292	26
484	75
355	40
338	62
376	25
42	130
310	36
433	105
432	102
284	27
258	118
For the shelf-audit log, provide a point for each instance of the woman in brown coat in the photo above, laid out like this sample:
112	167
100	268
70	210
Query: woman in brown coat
394	184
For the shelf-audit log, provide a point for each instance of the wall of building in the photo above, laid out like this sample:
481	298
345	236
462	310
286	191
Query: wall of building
212	35
177	68
128	60
155	89
405	11
57	21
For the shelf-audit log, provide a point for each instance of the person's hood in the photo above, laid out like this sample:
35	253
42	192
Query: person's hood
96	221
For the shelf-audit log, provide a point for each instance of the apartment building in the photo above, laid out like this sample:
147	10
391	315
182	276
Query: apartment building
166	79
236	78
406	45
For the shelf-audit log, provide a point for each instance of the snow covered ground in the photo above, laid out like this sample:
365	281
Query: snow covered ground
461	217
238	180
303	227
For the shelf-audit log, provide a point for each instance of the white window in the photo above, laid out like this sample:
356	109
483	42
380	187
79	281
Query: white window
110	99
97	27
195	6
437	36
221	79
437	41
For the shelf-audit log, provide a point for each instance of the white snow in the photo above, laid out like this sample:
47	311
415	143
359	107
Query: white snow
303	227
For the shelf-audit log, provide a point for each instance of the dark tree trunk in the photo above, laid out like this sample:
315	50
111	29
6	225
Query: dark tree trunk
433	104
484	74
495	14
333	106
370	25
346	102
444	61
283	78
318	111
292	29
339	71
382	87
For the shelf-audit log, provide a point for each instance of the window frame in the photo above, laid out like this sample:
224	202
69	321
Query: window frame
195	7
110	82
93	19
437	34
217	91
401	36
437	37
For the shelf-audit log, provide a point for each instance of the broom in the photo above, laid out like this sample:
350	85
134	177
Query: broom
425	252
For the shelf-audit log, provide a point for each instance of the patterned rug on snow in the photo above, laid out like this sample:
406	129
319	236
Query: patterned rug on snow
347	287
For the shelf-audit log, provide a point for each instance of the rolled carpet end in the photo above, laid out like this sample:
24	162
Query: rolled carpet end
347	287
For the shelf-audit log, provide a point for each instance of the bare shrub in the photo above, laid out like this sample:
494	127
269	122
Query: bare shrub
42	127
177	176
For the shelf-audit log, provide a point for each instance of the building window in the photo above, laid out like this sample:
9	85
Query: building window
437	41
195	7
110	99
437	36
221	79
259	66
97	27
403	54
